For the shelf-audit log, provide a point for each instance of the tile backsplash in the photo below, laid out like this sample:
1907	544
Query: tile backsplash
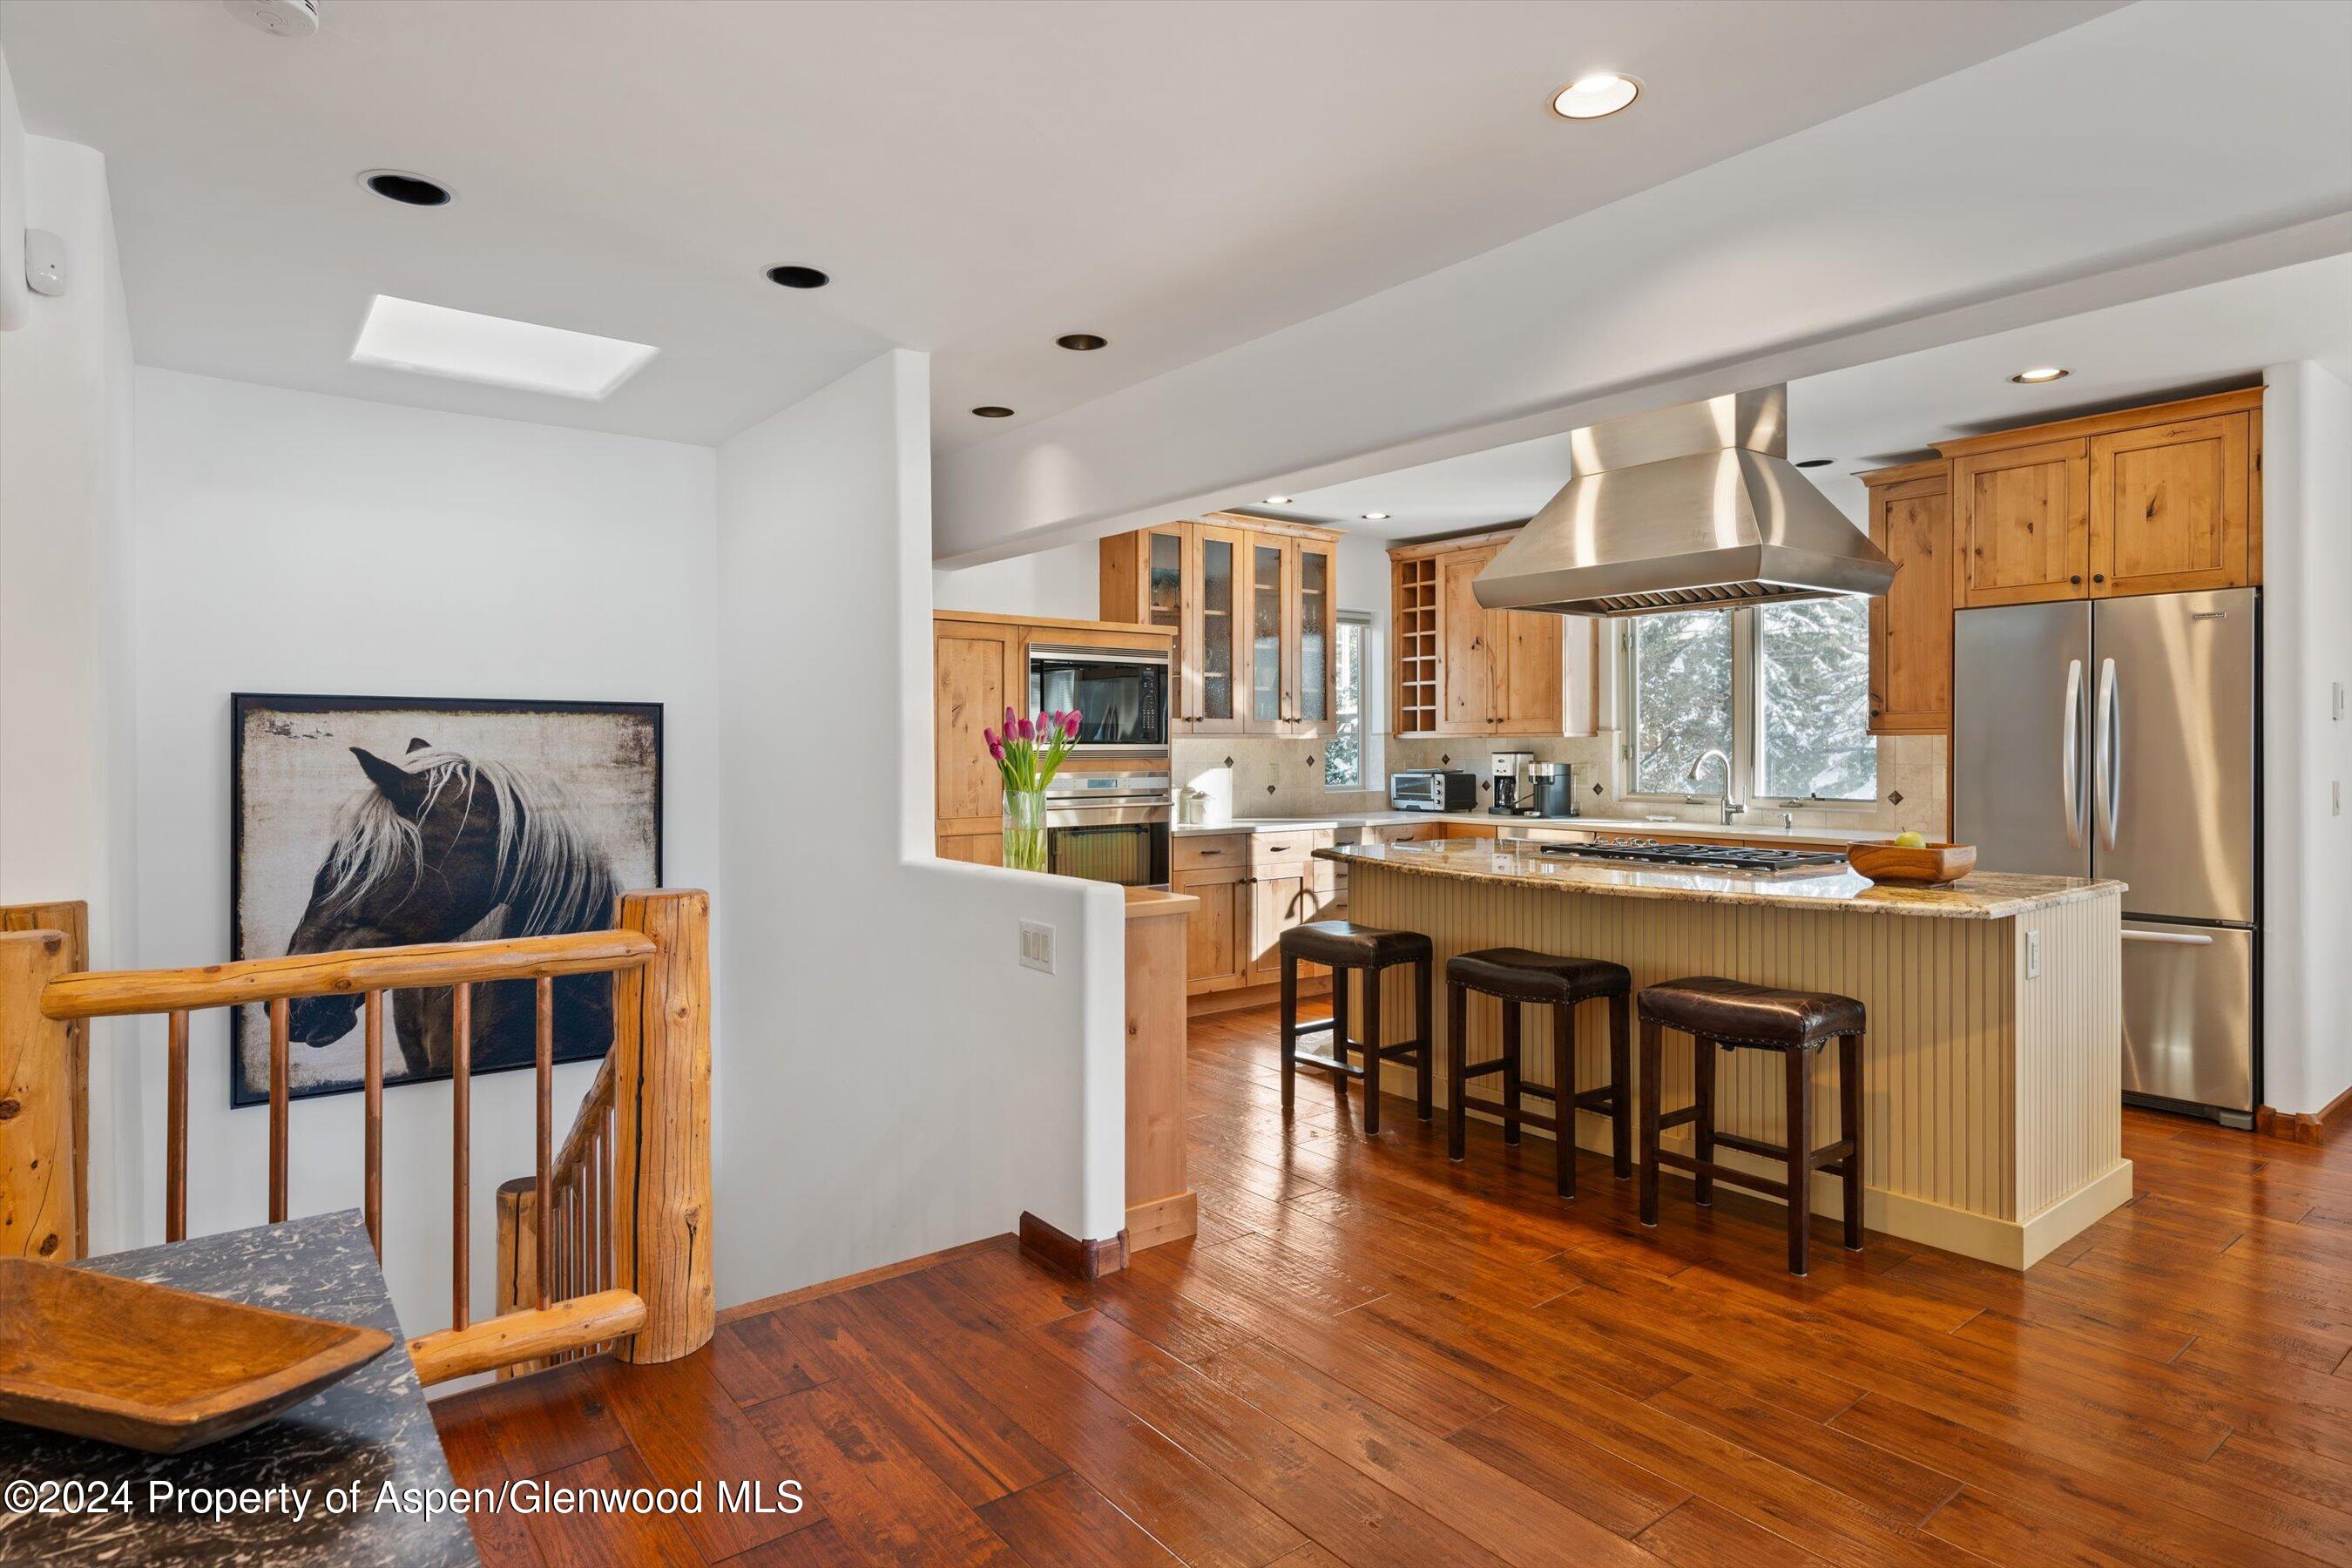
1256	775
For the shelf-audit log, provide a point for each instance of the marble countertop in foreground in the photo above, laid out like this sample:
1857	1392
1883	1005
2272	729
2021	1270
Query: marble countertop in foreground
370	1428
1986	896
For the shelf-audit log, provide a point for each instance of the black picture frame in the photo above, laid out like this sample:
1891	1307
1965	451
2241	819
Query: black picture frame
244	705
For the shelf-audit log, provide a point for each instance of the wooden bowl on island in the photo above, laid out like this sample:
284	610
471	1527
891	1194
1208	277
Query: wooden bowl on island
1926	864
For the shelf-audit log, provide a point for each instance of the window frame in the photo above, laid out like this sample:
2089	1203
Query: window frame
1367	729
1746	784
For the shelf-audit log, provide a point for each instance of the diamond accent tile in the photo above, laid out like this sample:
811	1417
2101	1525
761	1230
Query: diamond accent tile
1895	798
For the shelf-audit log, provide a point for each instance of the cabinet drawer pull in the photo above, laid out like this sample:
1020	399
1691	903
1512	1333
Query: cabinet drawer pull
1204	854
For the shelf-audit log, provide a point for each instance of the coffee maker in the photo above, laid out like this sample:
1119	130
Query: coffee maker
1550	790
1511	784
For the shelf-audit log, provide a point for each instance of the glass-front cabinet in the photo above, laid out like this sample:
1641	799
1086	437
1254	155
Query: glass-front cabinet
1256	613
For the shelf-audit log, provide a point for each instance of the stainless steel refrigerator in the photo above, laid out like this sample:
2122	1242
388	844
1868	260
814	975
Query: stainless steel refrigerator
2120	738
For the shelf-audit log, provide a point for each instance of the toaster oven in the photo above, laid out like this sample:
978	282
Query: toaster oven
1434	789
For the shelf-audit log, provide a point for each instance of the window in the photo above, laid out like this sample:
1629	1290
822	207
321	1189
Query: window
1343	755
1782	689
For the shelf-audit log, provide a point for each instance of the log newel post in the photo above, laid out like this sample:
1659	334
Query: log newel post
40	1211
661	1125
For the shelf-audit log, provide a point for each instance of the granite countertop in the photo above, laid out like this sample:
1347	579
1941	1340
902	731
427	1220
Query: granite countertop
1837	836
370	1428
1986	896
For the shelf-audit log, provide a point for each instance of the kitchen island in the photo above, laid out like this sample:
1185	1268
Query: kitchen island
1992	1070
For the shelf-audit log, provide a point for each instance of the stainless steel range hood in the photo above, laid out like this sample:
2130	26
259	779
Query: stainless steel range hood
1687	508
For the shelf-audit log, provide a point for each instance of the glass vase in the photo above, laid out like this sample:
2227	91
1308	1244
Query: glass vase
1024	829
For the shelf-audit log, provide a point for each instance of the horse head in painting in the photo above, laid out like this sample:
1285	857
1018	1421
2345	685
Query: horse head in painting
435	847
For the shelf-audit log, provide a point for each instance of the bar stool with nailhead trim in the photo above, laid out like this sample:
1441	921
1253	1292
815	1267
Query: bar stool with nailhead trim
1517	975
1341	946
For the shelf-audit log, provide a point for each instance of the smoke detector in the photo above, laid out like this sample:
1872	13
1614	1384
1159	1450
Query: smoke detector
279	18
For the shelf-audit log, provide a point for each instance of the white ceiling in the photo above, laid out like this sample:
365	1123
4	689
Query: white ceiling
1875	415
977	177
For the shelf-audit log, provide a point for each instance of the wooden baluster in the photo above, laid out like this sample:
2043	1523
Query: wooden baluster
545	1012
175	1129
373	1158
461	1093
280	1065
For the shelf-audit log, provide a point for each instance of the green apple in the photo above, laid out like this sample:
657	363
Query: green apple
1908	840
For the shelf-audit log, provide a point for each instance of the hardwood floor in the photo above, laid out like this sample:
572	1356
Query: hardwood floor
1369	1356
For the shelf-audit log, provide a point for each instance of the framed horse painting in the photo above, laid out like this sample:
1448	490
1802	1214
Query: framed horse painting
381	821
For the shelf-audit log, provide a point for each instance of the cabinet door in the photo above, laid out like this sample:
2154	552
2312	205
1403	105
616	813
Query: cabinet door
1220	560
1466	657
1911	627
1531	678
1278	902
2021	518
2169	507
1164	583
1216	933
974	848
1270	619
1315	618
978	671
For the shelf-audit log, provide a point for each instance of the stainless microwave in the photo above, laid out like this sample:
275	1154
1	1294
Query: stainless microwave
1120	696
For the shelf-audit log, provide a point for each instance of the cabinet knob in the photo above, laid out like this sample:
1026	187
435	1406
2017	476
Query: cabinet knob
2077	578
2098	577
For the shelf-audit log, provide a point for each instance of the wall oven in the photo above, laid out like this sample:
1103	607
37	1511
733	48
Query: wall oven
1109	827
1120	696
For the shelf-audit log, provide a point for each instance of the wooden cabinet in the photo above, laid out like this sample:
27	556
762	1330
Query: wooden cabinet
1463	670
1911	627
980	667
2169	507
2022	520
1256	614
2143	500
1253	886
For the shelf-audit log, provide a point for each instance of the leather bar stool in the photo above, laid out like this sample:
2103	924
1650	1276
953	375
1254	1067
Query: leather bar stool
1342	946
1517	975
1733	1015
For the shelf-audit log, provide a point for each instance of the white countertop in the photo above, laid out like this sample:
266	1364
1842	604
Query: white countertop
1596	823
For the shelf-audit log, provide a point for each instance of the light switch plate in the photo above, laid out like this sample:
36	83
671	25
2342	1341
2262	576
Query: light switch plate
2033	955
1037	946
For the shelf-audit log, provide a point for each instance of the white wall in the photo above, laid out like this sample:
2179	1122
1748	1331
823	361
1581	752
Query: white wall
65	823
1063	584
295	543
892	1081
2307	746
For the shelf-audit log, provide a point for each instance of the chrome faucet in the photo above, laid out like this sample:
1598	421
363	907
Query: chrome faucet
1724	800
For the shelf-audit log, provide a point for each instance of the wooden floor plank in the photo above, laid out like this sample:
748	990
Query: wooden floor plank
1373	1355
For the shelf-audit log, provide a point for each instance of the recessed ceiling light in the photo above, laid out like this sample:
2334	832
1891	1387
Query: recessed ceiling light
1277	501
409	190
993	411
1082	343
798	277
1376	517
1590	97
2039	374
1815	462
434	340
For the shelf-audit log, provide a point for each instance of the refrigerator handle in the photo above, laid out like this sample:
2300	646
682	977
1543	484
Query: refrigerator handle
2171	938
2107	752
2070	753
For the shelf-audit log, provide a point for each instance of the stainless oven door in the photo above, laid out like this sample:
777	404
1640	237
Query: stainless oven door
1120	698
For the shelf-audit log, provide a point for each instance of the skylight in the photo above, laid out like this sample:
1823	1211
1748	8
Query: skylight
434	340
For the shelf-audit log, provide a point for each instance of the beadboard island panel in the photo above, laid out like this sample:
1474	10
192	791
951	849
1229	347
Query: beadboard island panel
1993	1102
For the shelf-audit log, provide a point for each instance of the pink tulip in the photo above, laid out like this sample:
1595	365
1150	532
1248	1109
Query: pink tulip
1070	725
1028	732
1011	718
989	736
995	747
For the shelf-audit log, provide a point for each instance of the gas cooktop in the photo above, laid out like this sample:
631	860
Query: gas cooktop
1719	860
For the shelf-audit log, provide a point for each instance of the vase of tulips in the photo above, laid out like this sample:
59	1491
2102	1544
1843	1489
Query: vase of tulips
1028	754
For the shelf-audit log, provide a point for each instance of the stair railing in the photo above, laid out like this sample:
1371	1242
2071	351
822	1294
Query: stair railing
625	1261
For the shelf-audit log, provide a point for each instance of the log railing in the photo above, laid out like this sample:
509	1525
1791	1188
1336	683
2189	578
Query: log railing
625	1262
